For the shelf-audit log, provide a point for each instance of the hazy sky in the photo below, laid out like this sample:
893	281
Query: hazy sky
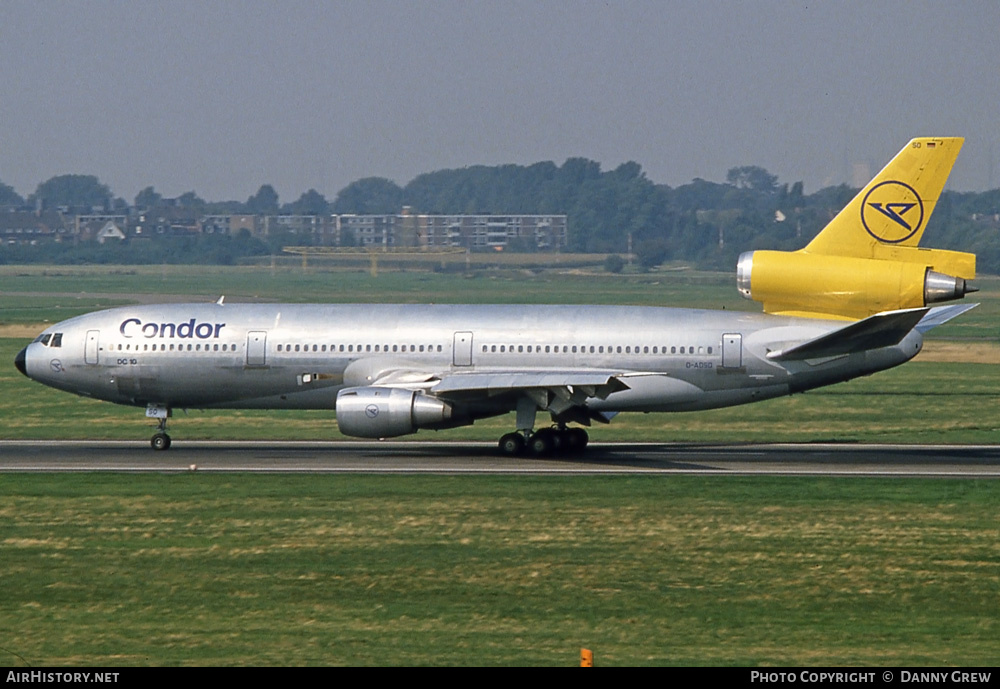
221	97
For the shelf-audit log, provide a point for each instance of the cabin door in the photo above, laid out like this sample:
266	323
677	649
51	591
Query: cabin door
732	350
257	348
90	351
462	351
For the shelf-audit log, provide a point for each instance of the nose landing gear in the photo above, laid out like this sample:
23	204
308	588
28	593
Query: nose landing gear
160	440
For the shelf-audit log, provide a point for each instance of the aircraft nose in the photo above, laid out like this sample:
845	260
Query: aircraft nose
20	359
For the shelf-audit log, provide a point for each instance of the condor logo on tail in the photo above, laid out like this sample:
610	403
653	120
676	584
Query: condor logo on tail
892	212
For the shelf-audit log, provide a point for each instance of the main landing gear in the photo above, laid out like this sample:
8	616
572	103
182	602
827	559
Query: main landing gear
544	442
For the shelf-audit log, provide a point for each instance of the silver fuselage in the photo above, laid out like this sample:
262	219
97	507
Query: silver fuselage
301	355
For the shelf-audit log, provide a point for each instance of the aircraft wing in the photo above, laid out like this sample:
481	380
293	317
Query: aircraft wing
574	386
560	391
592	383
563	393
881	330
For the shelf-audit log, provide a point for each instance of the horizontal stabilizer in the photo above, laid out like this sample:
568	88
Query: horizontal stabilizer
881	330
942	314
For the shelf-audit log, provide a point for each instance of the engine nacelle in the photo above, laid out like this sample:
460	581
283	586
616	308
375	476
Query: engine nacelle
803	284
373	412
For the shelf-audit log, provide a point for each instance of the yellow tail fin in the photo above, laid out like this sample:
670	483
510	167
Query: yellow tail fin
867	259
892	209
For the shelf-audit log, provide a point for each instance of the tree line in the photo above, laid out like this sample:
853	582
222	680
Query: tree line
609	211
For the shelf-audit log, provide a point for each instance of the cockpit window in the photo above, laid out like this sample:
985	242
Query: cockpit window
56	340
44	338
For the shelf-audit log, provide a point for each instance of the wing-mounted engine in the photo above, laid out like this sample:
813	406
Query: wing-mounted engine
379	412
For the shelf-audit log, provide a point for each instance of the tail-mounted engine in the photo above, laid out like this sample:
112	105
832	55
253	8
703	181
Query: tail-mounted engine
823	286
374	412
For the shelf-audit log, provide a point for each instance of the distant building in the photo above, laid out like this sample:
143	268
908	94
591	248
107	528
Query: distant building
32	227
541	232
405	229
368	230
110	231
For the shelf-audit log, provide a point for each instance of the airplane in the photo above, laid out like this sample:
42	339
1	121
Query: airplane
856	300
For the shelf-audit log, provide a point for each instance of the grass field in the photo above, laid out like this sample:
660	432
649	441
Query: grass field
201	569
198	569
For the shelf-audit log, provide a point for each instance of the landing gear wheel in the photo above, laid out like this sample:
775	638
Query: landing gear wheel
544	442
160	441
576	439
512	444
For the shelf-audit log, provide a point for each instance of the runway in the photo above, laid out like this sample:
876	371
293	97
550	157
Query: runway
952	461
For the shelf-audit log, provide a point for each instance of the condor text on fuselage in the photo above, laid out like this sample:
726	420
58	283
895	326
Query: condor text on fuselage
134	327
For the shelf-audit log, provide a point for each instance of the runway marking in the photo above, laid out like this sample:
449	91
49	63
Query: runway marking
415	458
